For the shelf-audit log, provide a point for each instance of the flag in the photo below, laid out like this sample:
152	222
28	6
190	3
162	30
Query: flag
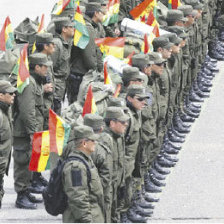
117	91
155	9
143	19
111	46
21	69
90	104
39	30
174	4
59	132
151	20
146	44
81	35
39	160
111	15
107	79
6	36
128	59
155	31
153	35
142	9
60	7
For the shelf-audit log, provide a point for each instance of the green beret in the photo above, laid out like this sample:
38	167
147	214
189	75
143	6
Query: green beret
94	121
116	113
39	59
44	38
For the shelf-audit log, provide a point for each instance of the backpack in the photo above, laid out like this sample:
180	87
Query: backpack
55	199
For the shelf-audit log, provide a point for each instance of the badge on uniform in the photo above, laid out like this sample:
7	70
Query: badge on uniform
76	178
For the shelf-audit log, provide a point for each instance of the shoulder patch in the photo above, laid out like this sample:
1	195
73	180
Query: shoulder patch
76	177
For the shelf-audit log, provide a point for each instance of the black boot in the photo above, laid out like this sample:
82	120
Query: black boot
140	200
134	217
124	218
160	169
142	211
24	202
39	178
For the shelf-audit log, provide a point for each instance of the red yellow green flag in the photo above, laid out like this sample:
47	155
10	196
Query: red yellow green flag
112	46
90	104
107	79
143	19
39	30
146	44
111	15
117	90
81	35
174	4
21	69
6	36
59	132
142	9
60	6
128	59
39	160
151	20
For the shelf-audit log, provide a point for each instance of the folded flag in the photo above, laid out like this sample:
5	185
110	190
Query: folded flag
60	6
111	46
39	160
111	15
107	79
173	4
21	69
90	104
39	30
81	35
59	132
6	36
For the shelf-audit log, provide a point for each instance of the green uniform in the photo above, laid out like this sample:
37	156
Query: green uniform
28	118
85	200
5	142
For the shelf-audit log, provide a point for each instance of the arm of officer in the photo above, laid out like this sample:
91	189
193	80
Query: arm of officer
55	57
77	190
26	104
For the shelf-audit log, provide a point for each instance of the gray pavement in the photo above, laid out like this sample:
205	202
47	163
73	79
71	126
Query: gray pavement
194	189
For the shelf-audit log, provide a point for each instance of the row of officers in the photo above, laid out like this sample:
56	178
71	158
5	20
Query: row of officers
130	144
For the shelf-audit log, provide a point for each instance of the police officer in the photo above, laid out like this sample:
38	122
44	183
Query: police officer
102	158
28	118
64	32
7	94
81	181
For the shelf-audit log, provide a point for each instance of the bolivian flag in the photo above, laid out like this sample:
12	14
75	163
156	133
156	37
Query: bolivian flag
6	36
143	9
151	20
90	104
39	160
81	35
59	132
21	69
117	91
60	6
107	79
173	4
111	46
111	15
39	30
128	59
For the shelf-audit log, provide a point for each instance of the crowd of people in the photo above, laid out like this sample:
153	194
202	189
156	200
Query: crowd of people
126	148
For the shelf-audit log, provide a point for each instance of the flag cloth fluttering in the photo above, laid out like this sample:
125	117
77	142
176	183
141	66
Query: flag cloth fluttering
111	46
39	160
151	20
39	30
174	4
60	6
90	104
81	35
117	90
107	79
144	8
111	15
21	69
6	36
59	132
